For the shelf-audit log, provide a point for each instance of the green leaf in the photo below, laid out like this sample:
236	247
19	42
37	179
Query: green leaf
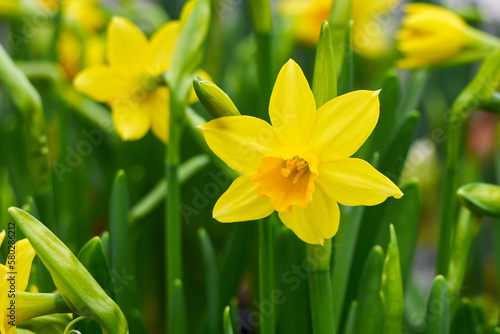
369	314
389	98
392	288
212	282
410	100
466	231
290	254
340	18
344	262
404	214
92	257
177	312
324	85
351	318
118	234
76	285
346	77
393	157
438	308
234	258
228	327
158	193
187	55
464	320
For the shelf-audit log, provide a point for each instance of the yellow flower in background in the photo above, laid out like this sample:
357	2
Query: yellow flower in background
430	35
71	54
130	82
299	166
24	258
86	13
9	7
367	33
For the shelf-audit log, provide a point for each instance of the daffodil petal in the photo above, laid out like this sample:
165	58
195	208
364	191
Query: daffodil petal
2	236
315	223
344	123
241	141
103	83
355	182
131	117
241	202
292	107
159	107
162	47
25	254
127	46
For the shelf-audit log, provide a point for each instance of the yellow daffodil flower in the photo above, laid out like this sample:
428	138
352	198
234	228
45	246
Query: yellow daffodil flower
431	35
24	255
299	166
130	82
367	32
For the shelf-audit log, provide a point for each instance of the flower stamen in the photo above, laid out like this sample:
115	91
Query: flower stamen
295	164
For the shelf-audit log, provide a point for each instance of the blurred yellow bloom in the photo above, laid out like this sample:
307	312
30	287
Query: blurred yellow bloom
367	33
86	13
24	255
300	165
9	7
430	35
130	82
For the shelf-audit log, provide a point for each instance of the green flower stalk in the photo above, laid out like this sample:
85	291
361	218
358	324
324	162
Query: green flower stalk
185	62
479	91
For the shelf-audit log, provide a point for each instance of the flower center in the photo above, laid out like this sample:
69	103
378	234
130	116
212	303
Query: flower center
287	178
297	165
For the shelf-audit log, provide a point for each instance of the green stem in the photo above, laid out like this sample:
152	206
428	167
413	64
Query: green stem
173	229
320	288
157	194
467	229
266	277
449	201
264	68
477	92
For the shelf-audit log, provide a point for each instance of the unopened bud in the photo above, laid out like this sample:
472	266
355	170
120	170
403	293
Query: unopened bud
217	103
481	198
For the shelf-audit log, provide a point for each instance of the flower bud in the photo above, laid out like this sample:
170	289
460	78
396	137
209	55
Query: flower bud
481	198
432	35
217	103
77	287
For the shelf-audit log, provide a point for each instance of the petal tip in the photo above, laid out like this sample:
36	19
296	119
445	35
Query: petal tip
201	127
376	93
